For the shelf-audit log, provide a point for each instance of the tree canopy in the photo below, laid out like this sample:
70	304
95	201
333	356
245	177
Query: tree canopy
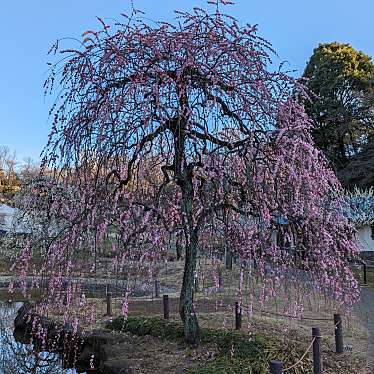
359	206
359	171
182	127
341	81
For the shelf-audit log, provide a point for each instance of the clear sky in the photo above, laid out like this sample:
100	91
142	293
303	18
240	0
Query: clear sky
28	29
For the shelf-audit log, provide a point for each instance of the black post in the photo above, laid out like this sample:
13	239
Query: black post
317	351
166	306
228	260
220	280
109	304
338	323
64	298
238	316
157	288
276	367
365	273
196	284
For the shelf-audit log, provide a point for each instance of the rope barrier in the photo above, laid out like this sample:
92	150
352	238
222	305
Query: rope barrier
287	315
280	315
242	306
303	356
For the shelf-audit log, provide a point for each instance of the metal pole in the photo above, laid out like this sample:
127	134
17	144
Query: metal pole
317	351
365	273
338	324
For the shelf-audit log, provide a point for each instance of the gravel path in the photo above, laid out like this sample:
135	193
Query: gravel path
97	286
366	312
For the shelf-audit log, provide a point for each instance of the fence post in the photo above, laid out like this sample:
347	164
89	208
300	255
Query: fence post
220	279
317	351
238	316
196	284
276	367
365	273
64	298
166	306
157	288
228	260
338	324
109	304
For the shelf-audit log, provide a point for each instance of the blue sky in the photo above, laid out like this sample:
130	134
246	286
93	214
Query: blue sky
28	29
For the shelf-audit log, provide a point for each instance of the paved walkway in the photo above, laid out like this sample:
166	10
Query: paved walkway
366	312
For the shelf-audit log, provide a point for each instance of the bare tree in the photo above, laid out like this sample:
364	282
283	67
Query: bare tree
9	180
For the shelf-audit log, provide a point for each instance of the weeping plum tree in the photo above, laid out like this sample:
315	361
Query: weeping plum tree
168	129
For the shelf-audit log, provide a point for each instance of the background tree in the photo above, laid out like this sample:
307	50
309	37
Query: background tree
9	180
359	206
342	107
360	170
28	170
163	127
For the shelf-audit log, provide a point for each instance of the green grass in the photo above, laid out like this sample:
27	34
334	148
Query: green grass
237	352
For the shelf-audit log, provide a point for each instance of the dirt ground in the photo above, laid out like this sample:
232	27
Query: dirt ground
146	354
161	356
215	309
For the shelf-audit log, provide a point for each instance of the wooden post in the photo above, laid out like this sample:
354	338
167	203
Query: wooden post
228	259
238	316
157	288
166	306
338	324
365	273
220	280
276	367
109	304
317	351
64	298
196	284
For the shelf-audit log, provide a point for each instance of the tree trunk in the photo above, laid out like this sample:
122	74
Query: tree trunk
186	308
184	177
